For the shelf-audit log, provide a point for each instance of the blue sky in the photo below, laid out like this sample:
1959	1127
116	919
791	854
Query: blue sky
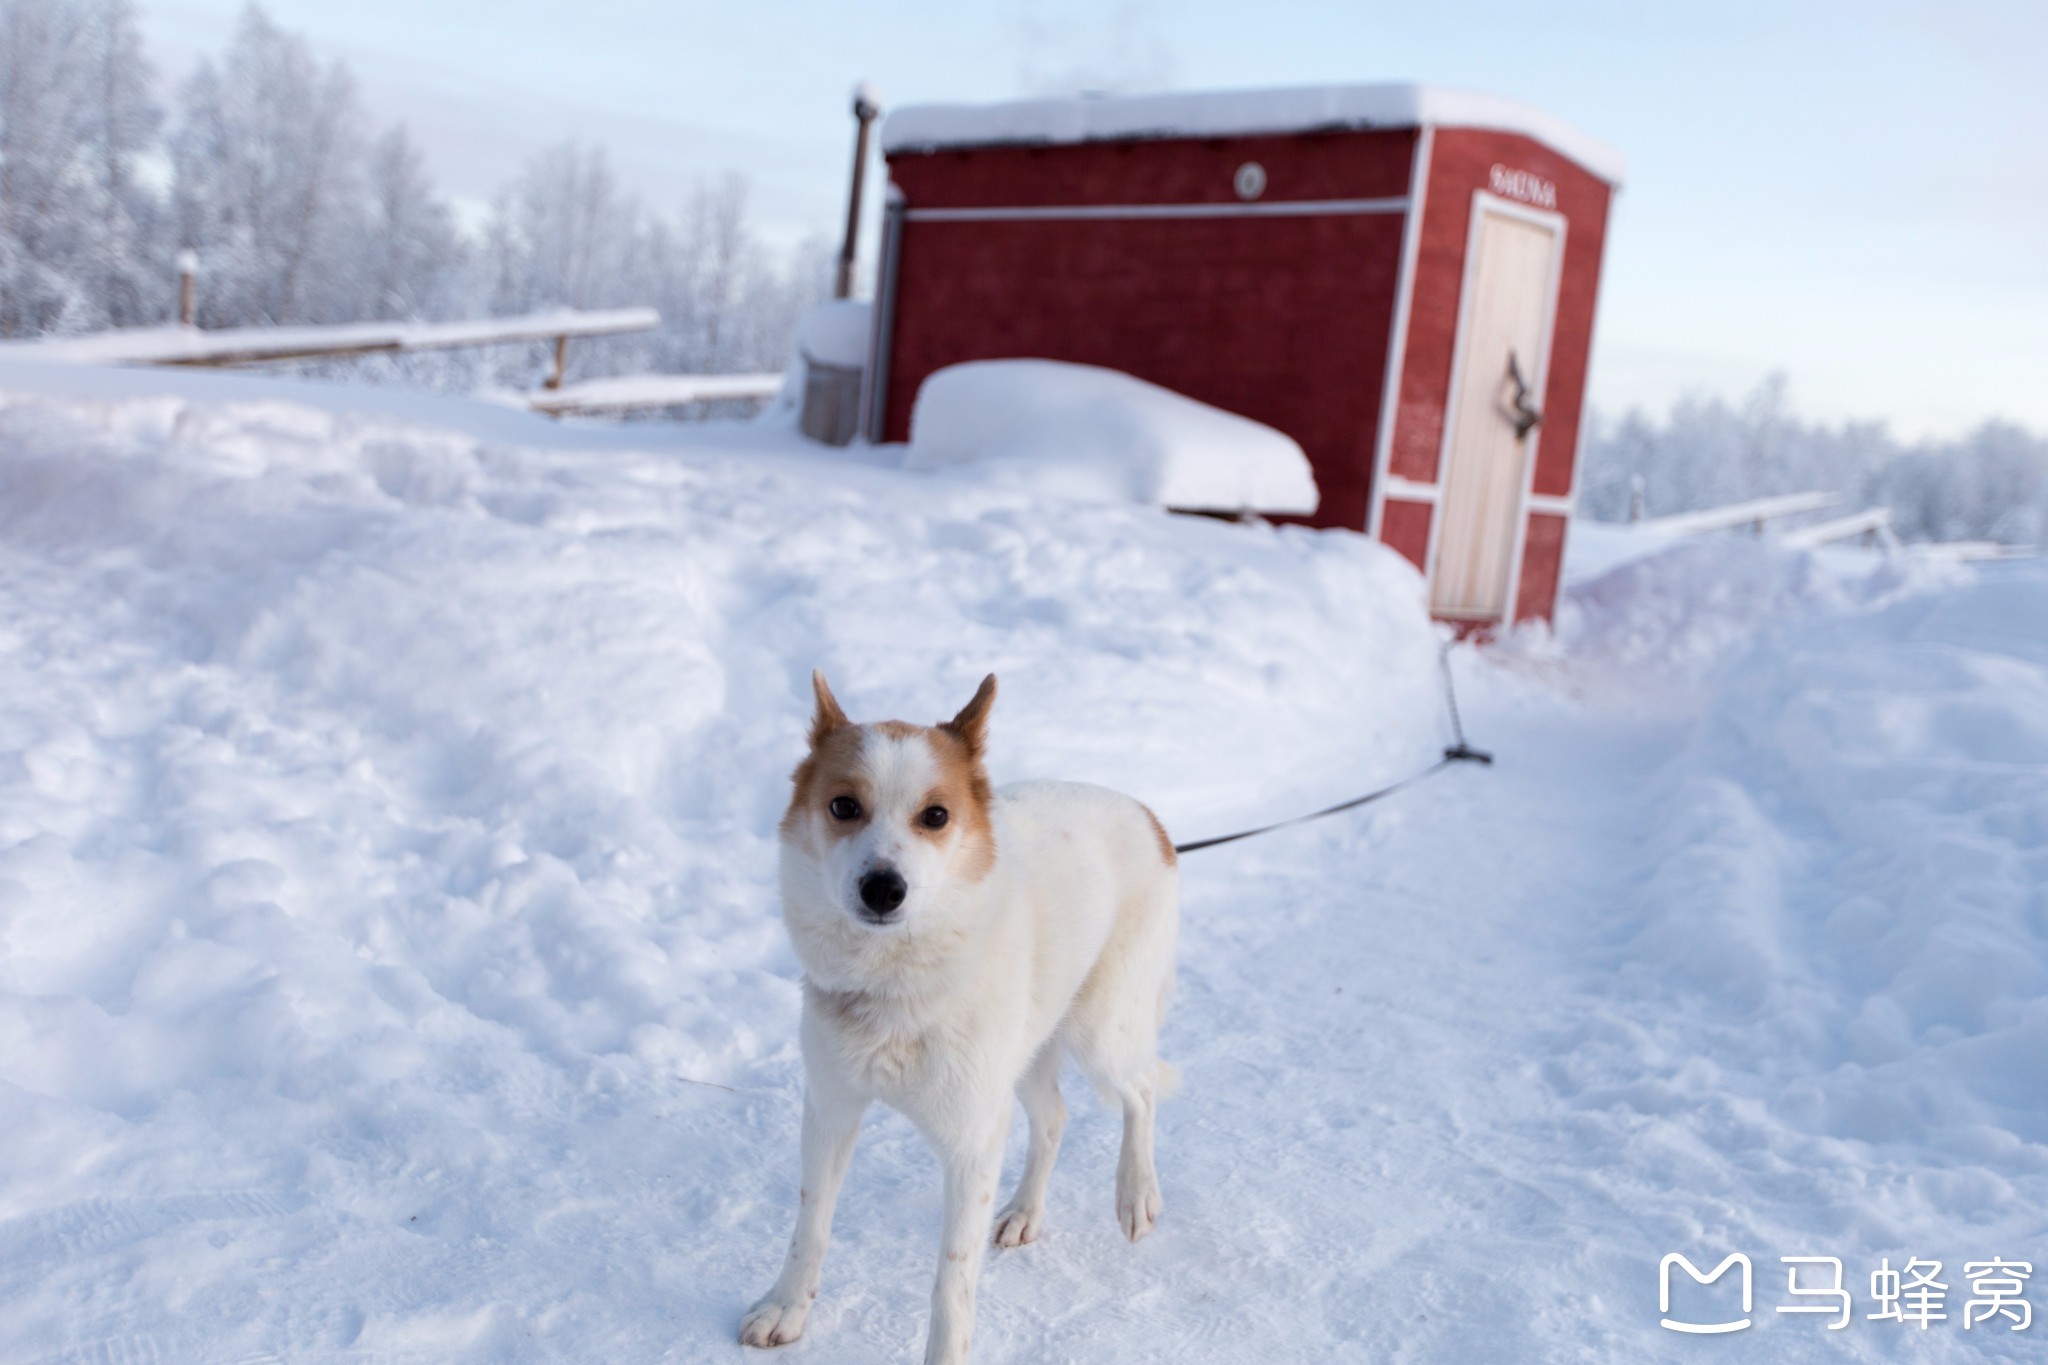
1855	194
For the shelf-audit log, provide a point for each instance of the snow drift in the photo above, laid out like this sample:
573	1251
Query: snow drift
386	836
1084	432
1849	855
389	966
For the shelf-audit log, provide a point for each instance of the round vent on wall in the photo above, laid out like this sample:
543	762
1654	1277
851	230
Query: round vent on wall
1250	180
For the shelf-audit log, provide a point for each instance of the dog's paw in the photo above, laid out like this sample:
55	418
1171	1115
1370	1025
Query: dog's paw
772	1322
1016	1225
1137	1207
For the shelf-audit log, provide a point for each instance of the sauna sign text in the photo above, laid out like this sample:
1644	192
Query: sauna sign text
1523	185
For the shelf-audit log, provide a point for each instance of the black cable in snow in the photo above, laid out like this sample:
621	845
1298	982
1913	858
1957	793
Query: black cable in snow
1458	752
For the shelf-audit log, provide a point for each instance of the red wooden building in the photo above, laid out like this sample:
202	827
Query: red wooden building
1400	278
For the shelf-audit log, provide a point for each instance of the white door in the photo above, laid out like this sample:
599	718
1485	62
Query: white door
1497	394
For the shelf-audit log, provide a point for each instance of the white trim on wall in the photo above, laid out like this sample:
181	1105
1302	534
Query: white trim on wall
1409	489
1397	339
874	388
1278	208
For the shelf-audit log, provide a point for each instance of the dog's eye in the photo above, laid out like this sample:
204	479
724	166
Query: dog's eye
933	817
844	808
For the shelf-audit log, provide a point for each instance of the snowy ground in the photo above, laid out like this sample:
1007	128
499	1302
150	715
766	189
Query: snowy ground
389	970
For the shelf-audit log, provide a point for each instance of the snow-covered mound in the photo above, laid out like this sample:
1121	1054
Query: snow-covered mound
1816	964
390	955
1848	862
389	966
1084	432
1855	856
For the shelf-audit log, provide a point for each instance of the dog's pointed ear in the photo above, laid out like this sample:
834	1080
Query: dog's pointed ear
971	725
828	717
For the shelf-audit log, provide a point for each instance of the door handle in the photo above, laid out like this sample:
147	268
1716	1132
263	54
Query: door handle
1525	417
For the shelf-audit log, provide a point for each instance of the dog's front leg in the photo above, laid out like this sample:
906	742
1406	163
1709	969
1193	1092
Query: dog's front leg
972	1169
831	1127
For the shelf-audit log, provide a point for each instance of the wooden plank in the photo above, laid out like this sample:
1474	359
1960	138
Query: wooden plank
1754	512
1972	550
630	392
1841	528
265	345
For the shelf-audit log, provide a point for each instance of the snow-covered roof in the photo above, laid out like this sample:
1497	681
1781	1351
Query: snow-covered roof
1226	113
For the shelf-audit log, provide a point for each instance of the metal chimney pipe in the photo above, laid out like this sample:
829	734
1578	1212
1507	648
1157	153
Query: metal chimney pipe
866	105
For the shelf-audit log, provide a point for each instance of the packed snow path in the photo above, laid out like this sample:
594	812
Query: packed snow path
388	966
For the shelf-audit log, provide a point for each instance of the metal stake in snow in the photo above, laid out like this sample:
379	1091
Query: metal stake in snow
866	104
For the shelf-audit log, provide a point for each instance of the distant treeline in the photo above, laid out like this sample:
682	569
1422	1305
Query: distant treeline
1989	485
303	209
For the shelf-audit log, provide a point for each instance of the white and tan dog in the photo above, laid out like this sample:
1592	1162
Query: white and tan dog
956	943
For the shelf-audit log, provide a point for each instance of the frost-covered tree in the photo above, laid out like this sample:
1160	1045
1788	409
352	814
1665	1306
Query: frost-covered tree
42	116
727	302
410	252
1989	485
563	234
75	113
122	258
268	163
299	217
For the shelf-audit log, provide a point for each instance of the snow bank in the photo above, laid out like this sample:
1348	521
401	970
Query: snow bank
1819	969
1084	432
1640	604
1851	855
387	848
390	967
1677	608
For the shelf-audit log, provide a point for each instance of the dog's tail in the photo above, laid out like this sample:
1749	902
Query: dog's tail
1165	1083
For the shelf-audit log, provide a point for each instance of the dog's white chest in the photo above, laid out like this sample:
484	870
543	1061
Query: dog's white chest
876	1044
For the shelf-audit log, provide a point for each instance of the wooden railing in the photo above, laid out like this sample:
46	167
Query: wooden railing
1753	513
267	345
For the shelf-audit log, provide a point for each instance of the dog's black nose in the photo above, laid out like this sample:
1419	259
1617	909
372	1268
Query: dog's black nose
882	890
